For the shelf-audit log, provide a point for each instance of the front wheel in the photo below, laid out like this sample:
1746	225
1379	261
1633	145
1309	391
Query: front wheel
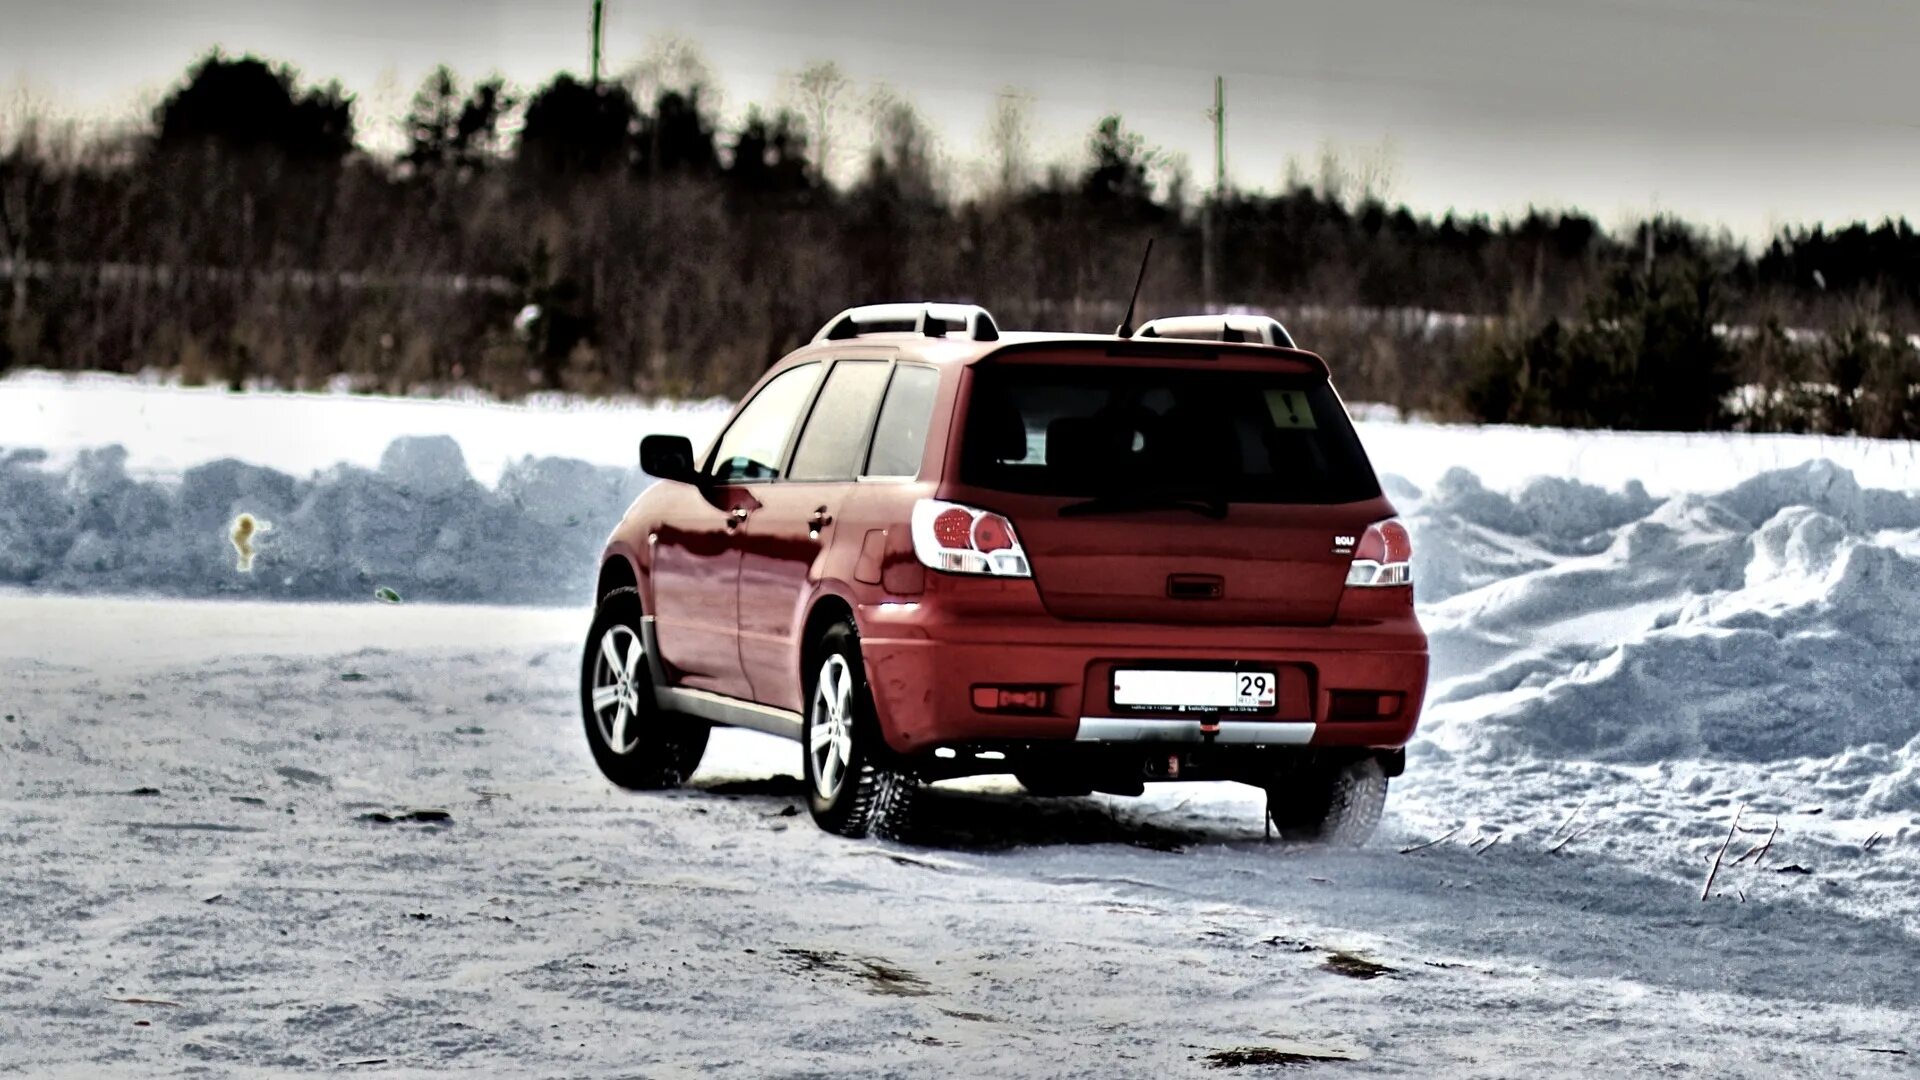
1340	806
855	785
636	743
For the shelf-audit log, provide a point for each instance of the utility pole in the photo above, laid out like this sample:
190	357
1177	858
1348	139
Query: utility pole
1209	227
1219	137
599	14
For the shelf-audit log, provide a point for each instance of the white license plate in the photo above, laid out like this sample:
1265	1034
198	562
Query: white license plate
1199	691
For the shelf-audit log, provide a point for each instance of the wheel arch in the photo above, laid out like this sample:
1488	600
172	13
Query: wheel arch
618	570
827	610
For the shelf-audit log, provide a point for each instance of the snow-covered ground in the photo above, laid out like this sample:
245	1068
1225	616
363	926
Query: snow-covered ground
186	821
1636	640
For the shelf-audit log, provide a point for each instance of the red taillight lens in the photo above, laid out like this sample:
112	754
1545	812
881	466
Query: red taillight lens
964	540
992	533
952	527
1383	557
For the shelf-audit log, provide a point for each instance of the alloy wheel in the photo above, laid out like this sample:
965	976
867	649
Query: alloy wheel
830	731
616	689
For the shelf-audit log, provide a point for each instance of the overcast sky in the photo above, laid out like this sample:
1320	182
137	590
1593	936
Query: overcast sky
1746	113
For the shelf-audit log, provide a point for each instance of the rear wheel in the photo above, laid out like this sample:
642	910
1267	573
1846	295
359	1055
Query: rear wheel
636	743
1339	806
855	785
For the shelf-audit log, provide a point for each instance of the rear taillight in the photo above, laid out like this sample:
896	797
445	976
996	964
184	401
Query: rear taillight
1383	557
962	540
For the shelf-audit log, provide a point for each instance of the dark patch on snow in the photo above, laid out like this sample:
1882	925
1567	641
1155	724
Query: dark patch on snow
875	976
304	776
402	817
1241	1057
189	826
1354	967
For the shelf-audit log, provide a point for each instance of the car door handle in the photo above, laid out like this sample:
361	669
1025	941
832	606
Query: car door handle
736	517
820	520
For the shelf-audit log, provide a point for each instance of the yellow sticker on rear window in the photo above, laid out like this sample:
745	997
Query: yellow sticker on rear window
1290	409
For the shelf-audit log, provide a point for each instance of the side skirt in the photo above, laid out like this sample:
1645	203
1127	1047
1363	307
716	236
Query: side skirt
709	706
721	709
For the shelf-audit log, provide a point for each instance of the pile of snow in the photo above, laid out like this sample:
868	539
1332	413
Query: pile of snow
1771	631
419	524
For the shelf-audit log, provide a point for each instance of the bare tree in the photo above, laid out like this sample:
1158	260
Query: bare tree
672	63
1010	141
820	88
1376	171
1334	175
902	147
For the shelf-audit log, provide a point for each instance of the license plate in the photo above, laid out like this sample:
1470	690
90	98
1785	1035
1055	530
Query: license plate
1215	691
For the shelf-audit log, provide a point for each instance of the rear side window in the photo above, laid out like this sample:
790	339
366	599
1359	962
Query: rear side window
902	434
836	432
1093	431
750	448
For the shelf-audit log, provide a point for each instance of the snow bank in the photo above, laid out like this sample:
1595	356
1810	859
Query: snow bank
1773	625
419	523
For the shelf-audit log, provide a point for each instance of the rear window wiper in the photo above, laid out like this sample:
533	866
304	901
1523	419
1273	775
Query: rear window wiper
1205	506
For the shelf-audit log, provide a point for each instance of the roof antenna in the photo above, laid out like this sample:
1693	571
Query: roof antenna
1126	325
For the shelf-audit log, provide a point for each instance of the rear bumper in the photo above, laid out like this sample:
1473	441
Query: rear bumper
923	668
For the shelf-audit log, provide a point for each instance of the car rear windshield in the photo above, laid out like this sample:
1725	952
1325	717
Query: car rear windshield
1092	431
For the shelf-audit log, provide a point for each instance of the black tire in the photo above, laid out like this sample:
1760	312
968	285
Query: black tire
1341	807
661	749
871	791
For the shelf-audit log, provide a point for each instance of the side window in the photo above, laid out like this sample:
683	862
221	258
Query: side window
829	447
750	448
902	433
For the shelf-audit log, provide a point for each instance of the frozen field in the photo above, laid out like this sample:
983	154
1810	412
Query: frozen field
1662	633
168	429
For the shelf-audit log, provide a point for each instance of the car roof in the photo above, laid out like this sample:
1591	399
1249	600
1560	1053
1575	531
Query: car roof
958	349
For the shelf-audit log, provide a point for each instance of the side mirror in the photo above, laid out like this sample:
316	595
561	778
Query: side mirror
669	457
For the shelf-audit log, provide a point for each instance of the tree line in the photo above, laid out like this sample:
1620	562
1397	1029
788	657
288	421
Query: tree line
617	237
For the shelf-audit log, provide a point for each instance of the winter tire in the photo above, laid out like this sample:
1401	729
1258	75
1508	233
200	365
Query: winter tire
855	785
1341	807
636	743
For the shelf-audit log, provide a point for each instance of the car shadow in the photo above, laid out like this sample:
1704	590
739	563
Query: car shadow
966	819
969	820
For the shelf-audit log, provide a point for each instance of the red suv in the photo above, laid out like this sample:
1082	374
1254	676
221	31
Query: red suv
925	549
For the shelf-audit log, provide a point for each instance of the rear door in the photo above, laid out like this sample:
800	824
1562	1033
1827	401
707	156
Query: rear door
794	519
697	554
1197	487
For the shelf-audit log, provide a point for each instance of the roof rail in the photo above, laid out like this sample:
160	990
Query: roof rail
927	319
1260	329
